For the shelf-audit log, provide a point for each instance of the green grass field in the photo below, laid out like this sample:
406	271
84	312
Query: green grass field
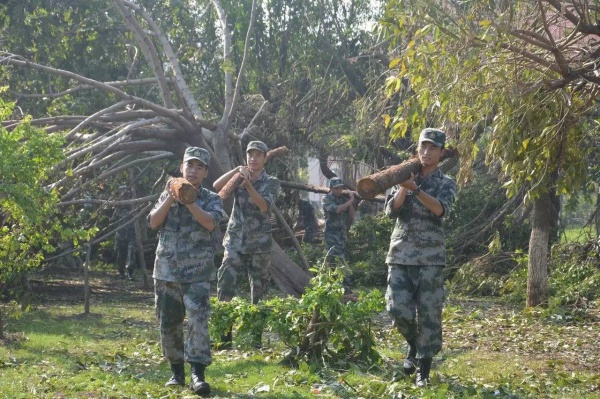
490	351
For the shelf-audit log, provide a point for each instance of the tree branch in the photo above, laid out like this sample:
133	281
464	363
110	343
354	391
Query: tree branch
148	49
167	113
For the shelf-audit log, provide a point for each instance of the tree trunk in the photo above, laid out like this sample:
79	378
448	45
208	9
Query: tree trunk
537	271
287	275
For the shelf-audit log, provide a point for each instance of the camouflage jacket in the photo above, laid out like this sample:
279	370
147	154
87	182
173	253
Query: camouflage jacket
249	230
128	232
336	224
306	213
184	253
418	236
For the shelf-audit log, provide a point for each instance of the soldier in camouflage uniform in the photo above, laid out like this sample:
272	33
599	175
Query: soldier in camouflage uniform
416	257
248	242
308	219
183	271
339	214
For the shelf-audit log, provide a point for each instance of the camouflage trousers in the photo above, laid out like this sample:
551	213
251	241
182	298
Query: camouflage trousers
415	298
173	302
126	254
256	266
310	231
335	246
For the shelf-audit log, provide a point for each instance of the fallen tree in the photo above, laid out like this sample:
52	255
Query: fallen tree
136	131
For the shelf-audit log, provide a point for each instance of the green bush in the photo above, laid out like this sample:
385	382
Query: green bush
322	326
368	244
574	274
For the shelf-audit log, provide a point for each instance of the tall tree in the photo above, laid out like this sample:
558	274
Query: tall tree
128	84
517	79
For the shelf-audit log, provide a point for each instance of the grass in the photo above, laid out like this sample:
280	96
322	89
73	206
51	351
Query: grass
577	234
490	351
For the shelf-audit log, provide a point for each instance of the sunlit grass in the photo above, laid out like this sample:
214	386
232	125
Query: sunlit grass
55	351
577	234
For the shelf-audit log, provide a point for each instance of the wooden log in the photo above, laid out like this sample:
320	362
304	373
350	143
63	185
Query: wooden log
236	180
370	186
377	183
287	275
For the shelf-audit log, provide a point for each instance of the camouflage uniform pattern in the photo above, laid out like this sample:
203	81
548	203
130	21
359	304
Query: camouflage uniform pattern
172	302
184	253
248	241
418	236
249	230
256	266
336	225
416	258
183	269
417	291
309	220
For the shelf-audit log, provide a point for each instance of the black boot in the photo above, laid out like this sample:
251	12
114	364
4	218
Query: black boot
130	274
178	375
423	372
226	340
410	363
197	384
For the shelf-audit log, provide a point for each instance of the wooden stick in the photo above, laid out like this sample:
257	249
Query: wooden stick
236	179
324	190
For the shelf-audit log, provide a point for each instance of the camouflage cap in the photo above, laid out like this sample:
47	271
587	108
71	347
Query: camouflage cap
257	145
335	182
435	136
196	153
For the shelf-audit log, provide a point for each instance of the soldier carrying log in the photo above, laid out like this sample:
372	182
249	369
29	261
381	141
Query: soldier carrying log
248	241
416	257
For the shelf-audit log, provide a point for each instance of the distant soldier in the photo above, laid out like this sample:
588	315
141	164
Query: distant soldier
339	214
308	218
125	241
416	258
183	271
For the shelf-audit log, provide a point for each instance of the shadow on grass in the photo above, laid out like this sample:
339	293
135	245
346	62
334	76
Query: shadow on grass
80	327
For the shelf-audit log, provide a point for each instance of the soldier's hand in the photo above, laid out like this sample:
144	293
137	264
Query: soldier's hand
410	184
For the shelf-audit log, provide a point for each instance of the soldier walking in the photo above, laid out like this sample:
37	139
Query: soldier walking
416	257
248	240
183	271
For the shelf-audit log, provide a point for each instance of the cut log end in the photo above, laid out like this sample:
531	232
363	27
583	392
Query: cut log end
366	188
183	190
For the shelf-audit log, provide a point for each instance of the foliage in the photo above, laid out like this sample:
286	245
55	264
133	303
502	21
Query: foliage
321	326
502	274
26	205
493	73
474	223
527	130
368	244
574	274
